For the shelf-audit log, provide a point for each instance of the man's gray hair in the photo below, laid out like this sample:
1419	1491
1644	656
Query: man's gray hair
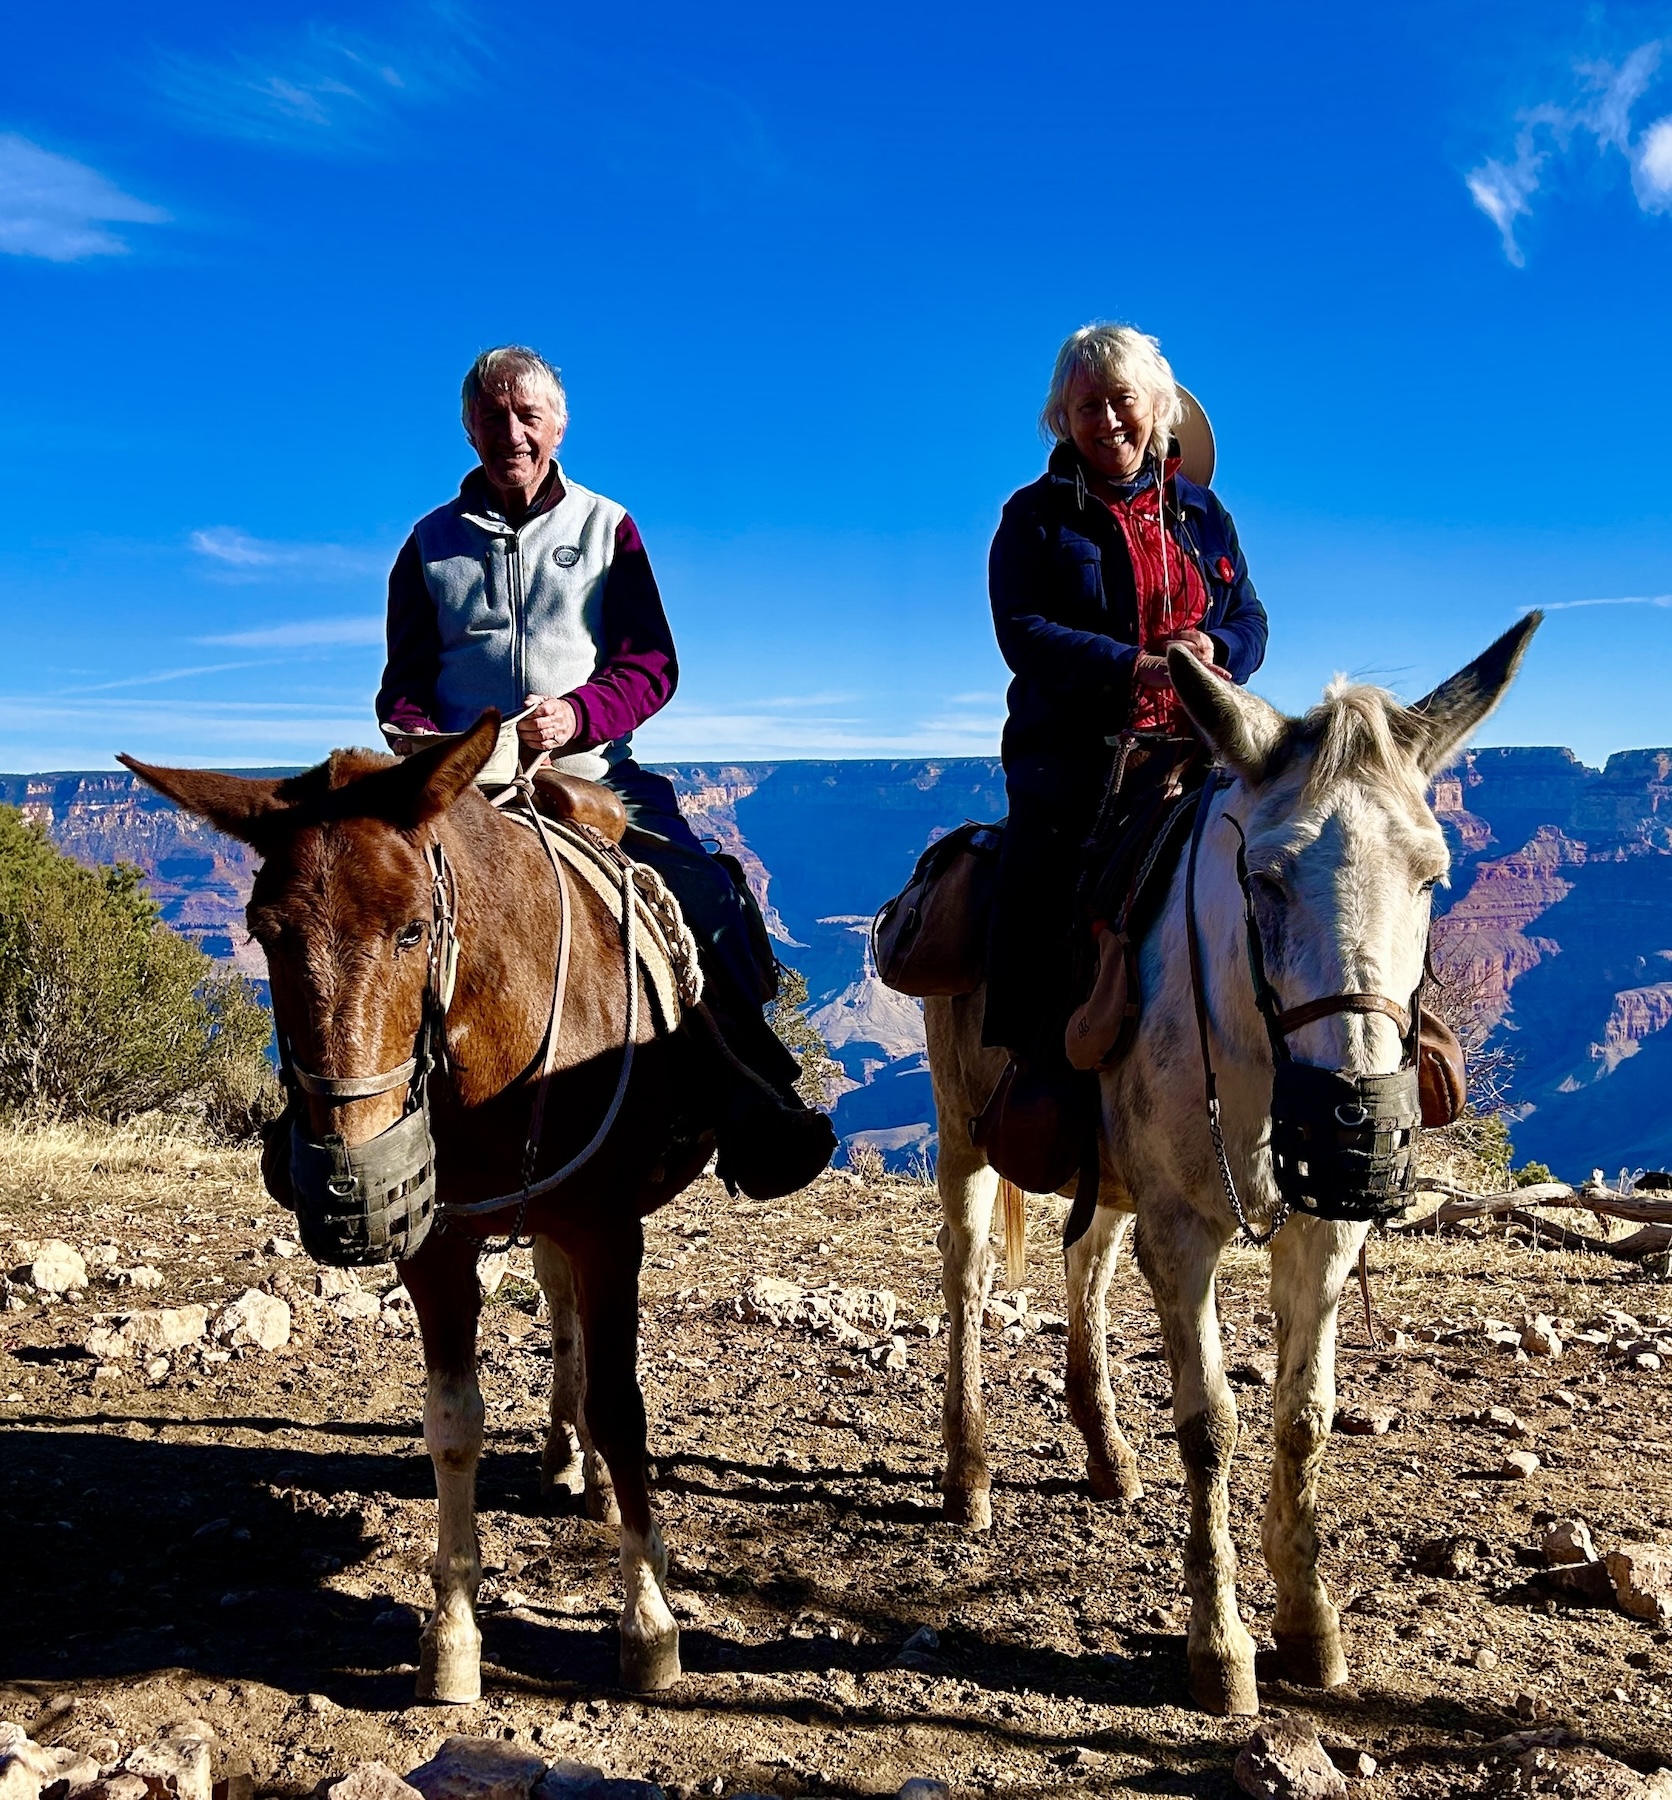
1113	356
512	366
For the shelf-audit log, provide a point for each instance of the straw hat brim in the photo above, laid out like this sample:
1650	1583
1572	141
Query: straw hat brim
1195	441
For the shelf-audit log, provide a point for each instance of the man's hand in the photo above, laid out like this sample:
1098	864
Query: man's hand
1151	672
551	724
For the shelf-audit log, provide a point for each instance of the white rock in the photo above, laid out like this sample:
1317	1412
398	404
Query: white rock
329	1283
473	1768
896	1357
169	1328
141	1276
1643	1580
1569	1541
57	1268
770	1300
1519	1465
371	1781
283	1246
158	1368
257	1320
173	1768
1283	1760
108	1343
491	1270
356	1304
1539	1336
17	1780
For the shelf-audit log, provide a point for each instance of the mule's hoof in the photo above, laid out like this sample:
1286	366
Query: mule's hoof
1114	1484
601	1506
649	1664
451	1675
563	1479
1223	1687
1307	1659
968	1506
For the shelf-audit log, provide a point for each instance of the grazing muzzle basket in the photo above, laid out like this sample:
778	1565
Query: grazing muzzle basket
1344	1146
366	1203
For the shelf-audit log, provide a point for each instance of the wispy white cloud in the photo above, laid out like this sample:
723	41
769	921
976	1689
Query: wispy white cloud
330	91
161	675
56	208
1651	169
1661	600
235	555
304	634
1601	110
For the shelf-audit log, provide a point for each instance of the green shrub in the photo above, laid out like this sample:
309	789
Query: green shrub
105	1012
820	1072
1530	1174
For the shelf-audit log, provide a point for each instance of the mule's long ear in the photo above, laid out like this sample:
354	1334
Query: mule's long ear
240	805
425	784
1438	725
1241	727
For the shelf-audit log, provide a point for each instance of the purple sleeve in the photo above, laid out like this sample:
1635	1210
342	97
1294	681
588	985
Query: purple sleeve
637	670
407	695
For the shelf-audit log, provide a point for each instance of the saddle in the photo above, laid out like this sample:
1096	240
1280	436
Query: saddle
1129	860
931	938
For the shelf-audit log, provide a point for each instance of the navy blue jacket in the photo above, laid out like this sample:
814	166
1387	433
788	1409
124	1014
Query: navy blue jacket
1065	607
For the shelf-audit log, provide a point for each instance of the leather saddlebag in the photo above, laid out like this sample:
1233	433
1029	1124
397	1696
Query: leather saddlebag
1442	1080
931	938
1101	1026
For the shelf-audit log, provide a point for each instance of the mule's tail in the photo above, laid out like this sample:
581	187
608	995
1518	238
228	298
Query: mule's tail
1015	1204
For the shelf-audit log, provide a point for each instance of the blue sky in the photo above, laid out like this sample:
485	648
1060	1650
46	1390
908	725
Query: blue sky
805	270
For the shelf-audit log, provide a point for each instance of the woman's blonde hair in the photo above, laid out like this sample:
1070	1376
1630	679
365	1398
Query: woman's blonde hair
1113	355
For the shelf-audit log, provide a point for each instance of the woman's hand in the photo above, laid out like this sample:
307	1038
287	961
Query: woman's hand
1198	643
551	724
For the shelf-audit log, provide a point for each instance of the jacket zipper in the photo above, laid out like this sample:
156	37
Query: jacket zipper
513	570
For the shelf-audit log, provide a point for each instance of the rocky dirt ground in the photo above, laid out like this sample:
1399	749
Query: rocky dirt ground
216	1531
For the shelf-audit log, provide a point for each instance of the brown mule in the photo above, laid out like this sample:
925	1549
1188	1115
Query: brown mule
344	906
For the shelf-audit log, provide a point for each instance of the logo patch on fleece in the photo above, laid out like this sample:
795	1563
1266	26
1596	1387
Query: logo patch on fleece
566	555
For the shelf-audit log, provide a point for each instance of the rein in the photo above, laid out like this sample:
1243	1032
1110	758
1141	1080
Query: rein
521	793
1343	1145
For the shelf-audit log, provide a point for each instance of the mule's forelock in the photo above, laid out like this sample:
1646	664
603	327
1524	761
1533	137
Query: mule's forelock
1354	735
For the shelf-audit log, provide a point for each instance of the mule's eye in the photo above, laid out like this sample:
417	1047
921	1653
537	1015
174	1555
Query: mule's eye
410	935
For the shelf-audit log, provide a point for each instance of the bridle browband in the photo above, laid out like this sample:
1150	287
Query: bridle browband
1343	1145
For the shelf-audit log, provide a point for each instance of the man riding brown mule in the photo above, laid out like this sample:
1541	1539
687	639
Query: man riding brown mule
408	922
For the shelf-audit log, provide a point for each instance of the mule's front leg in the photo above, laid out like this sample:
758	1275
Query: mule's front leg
1310	1262
967	1190
607	1279
570	1463
1110	1463
1179	1257
442	1282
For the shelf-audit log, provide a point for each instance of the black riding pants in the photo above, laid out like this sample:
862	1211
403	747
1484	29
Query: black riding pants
1030	944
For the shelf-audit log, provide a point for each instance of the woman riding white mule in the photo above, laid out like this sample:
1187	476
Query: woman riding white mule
1117	553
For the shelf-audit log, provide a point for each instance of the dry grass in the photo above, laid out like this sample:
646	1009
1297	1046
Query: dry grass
56	1154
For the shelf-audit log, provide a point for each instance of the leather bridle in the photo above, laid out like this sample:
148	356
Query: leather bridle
1343	1145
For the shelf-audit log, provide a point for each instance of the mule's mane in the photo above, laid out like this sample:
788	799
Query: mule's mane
1354	733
